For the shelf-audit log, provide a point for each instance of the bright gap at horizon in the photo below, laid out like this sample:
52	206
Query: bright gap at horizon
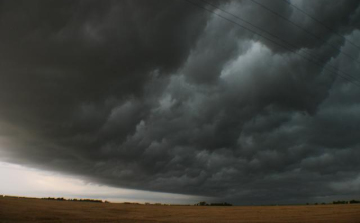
17	180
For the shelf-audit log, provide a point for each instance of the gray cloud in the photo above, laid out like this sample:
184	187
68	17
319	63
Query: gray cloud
163	96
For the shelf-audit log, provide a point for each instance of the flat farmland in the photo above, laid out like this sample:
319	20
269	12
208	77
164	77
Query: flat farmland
36	210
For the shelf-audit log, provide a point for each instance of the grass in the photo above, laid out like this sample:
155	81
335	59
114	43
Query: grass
36	210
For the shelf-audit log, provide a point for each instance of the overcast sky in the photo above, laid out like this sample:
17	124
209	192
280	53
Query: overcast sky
164	96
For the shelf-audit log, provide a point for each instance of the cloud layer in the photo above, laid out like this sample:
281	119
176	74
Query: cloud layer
167	97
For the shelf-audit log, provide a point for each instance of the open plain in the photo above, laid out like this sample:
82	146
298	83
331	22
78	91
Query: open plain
37	210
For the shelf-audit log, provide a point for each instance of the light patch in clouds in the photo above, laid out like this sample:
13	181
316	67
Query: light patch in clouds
352	185
21	181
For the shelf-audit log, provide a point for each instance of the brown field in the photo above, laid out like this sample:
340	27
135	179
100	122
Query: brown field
36	210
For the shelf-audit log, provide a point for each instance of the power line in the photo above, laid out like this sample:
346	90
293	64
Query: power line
246	28
277	37
304	30
321	23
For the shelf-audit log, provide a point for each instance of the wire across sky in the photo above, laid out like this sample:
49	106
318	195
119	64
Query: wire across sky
288	47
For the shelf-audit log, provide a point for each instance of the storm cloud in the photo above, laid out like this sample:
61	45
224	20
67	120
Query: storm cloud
165	96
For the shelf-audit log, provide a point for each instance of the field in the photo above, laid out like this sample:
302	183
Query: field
36	210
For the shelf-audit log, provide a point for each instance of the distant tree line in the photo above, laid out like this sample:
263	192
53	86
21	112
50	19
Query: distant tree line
347	202
339	202
80	200
203	203
57	199
131	203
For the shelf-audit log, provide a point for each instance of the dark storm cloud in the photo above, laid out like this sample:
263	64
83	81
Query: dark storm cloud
162	96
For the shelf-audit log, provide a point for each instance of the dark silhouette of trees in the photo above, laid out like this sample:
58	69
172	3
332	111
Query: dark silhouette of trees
78	200
354	202
340	202
203	203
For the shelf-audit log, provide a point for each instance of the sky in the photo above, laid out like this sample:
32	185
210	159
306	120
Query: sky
251	102
17	180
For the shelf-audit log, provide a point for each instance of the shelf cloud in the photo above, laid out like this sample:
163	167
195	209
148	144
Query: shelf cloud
165	96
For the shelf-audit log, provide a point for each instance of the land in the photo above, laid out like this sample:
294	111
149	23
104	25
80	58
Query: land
39	210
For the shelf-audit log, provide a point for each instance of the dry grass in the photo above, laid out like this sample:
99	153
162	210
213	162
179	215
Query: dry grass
35	210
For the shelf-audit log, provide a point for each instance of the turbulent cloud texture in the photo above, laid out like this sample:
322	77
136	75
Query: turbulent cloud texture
164	96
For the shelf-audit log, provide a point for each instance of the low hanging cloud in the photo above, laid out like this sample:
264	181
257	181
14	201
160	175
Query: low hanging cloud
167	97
